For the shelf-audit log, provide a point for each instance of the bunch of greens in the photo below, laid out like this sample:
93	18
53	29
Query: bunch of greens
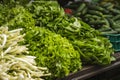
93	48
57	51
14	64
53	51
19	17
45	12
13	3
4	12
95	51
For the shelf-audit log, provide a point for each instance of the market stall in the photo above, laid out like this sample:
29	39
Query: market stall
58	40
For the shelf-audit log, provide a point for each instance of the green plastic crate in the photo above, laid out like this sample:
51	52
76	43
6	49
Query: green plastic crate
116	46
115	40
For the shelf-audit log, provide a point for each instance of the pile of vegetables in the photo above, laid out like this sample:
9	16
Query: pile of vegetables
19	17
45	14
13	3
93	48
15	63
3	14
103	17
53	51
60	42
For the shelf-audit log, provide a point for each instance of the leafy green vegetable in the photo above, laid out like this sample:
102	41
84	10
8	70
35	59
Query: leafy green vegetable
60	52
13	3
19	17
95	50
85	39
4	12
53	51
45	12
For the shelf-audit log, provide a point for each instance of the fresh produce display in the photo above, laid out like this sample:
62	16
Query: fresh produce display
60	42
77	32
104	17
19	17
53	51
15	63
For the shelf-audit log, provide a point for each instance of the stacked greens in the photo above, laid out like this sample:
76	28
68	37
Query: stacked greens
93	48
4	10
53	51
19	17
40	40
58	41
45	14
13	3
14	64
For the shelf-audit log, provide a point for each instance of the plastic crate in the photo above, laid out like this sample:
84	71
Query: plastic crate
115	40
113	37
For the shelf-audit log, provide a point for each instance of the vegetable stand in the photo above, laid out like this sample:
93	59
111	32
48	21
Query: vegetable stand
61	43
91	71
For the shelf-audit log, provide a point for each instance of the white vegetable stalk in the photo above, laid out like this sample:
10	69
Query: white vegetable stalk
4	40
16	30
6	51
14	65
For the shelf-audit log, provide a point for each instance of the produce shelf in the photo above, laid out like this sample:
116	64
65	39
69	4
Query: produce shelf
90	70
